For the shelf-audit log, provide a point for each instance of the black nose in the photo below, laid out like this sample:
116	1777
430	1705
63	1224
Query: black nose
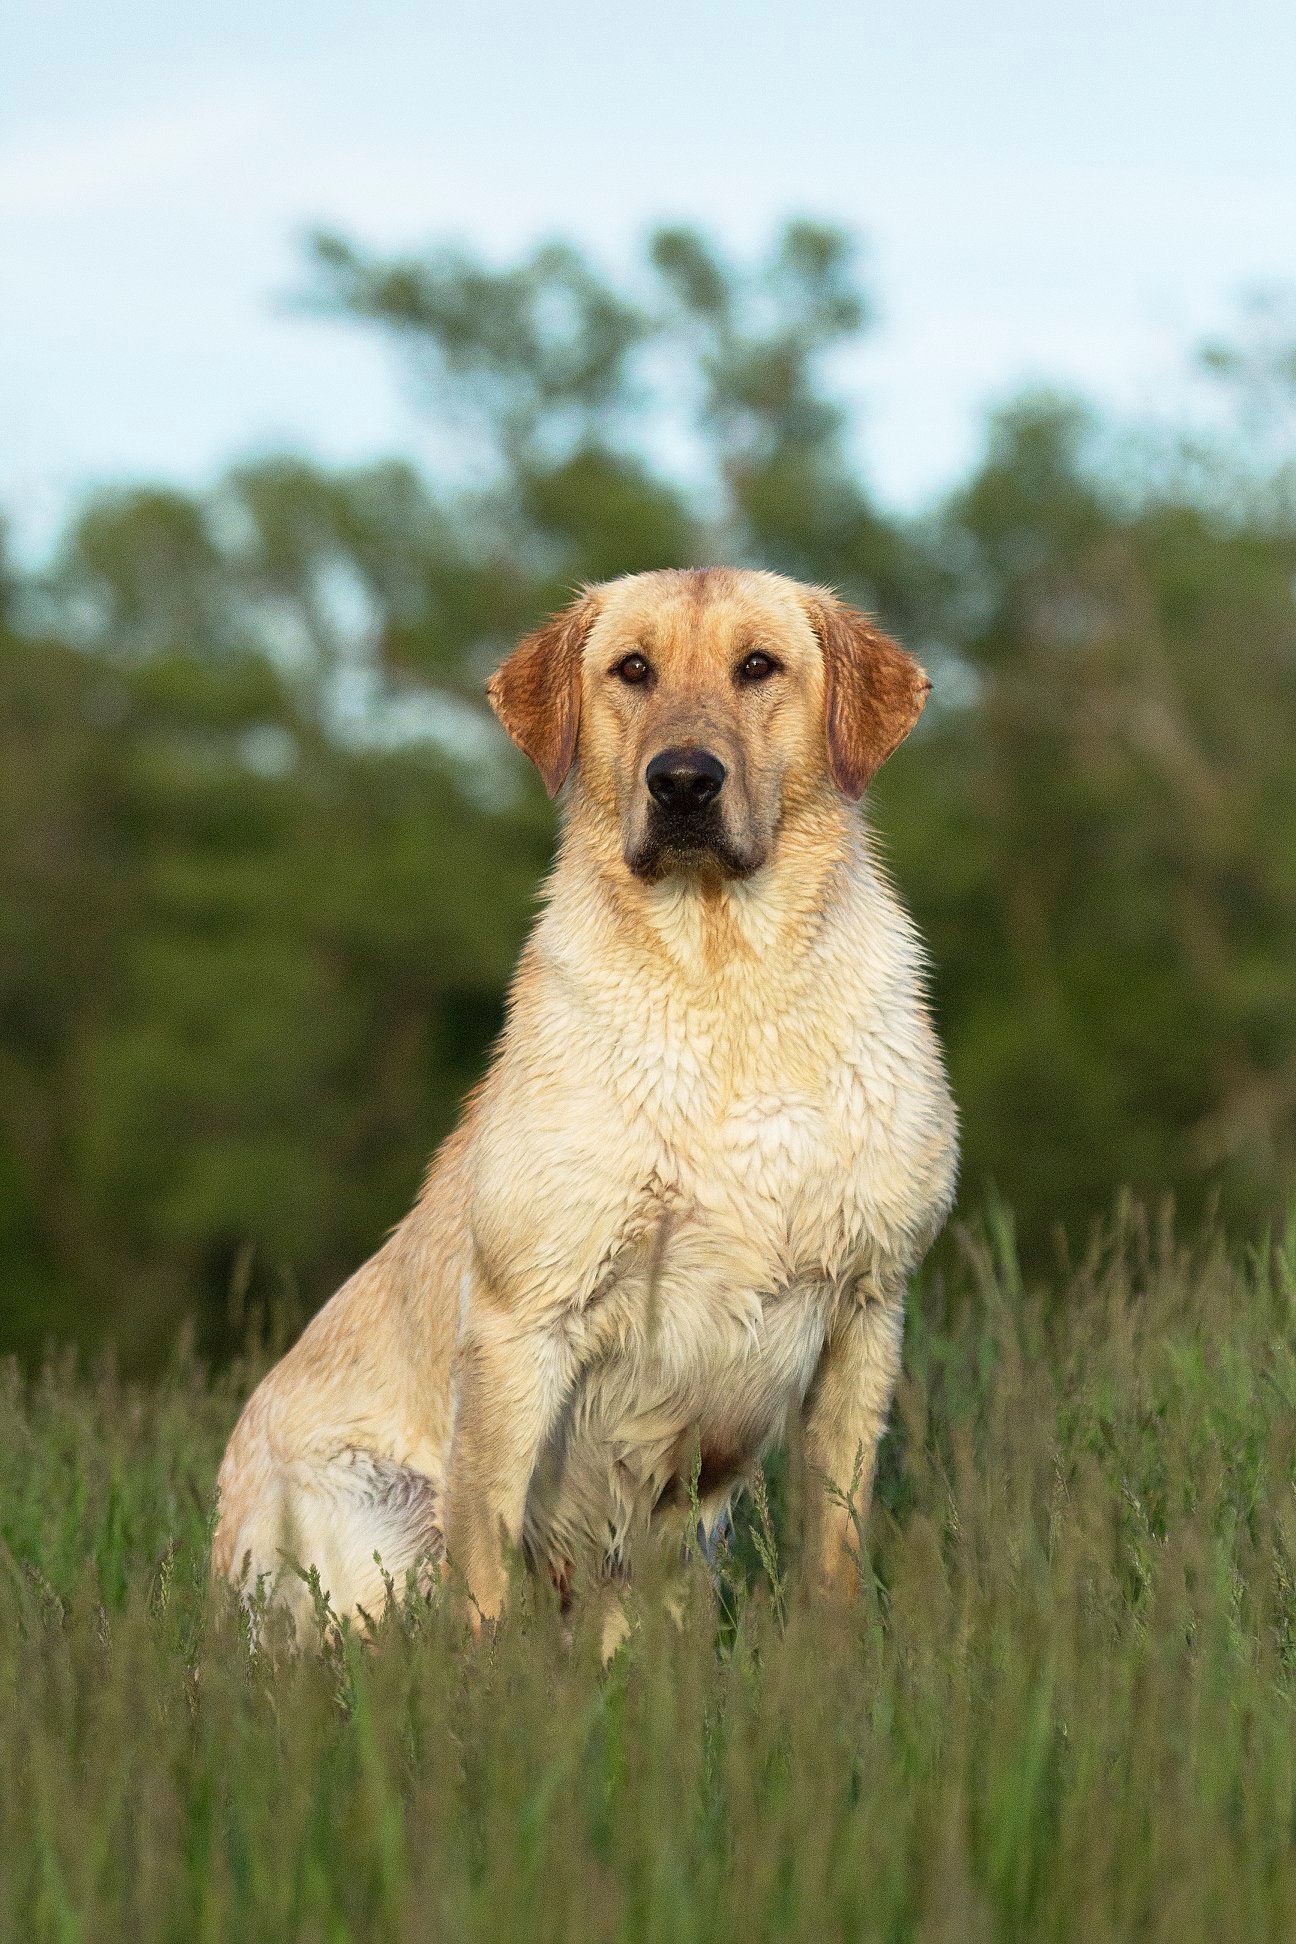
684	781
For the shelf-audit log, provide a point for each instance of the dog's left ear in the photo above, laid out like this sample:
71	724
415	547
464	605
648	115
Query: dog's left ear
873	692
536	692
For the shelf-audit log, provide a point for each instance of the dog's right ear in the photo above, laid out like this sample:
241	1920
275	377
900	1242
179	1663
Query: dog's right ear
536	692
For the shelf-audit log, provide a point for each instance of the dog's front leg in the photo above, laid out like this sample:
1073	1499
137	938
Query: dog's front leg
846	1414
511	1378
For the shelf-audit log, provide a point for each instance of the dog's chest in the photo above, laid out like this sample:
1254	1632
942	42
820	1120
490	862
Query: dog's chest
758	1150
748	1187
709	1324
738	1232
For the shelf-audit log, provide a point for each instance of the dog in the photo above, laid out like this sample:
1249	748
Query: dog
680	1211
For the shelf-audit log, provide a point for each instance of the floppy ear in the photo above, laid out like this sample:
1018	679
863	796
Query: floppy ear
873	692
536	692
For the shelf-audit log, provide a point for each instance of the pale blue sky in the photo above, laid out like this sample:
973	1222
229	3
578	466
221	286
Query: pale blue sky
1072	192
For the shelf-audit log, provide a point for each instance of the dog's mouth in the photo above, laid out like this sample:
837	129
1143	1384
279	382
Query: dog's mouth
690	846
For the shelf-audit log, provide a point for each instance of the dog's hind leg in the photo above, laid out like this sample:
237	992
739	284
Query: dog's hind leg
359	1521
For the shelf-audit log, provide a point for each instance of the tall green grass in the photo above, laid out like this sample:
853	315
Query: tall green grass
1065	1706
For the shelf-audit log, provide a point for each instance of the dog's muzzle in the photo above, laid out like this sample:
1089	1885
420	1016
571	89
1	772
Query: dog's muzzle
686	828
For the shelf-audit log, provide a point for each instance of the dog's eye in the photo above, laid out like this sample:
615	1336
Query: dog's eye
757	667
634	670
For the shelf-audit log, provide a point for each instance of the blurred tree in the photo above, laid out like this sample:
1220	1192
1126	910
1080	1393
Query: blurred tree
1112	907
265	862
759	343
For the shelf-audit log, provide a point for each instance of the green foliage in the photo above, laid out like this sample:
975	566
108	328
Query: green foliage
1065	1707
241	996
265	862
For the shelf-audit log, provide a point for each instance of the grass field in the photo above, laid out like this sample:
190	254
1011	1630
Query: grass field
1064	1708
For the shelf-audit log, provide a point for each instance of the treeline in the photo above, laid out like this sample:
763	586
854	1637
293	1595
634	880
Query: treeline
265	863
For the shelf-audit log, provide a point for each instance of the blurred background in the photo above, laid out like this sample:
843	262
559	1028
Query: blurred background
338	345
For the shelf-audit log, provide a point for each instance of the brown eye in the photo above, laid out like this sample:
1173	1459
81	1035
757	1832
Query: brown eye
634	670
757	667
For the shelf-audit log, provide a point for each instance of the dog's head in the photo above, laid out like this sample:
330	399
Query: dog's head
706	711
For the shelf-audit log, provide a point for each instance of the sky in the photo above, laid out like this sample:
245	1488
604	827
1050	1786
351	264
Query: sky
1068	194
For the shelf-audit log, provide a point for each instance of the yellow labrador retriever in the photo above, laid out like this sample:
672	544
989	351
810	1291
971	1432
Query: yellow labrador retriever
715	1139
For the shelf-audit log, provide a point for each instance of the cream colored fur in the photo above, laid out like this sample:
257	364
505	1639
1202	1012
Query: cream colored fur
715	1140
